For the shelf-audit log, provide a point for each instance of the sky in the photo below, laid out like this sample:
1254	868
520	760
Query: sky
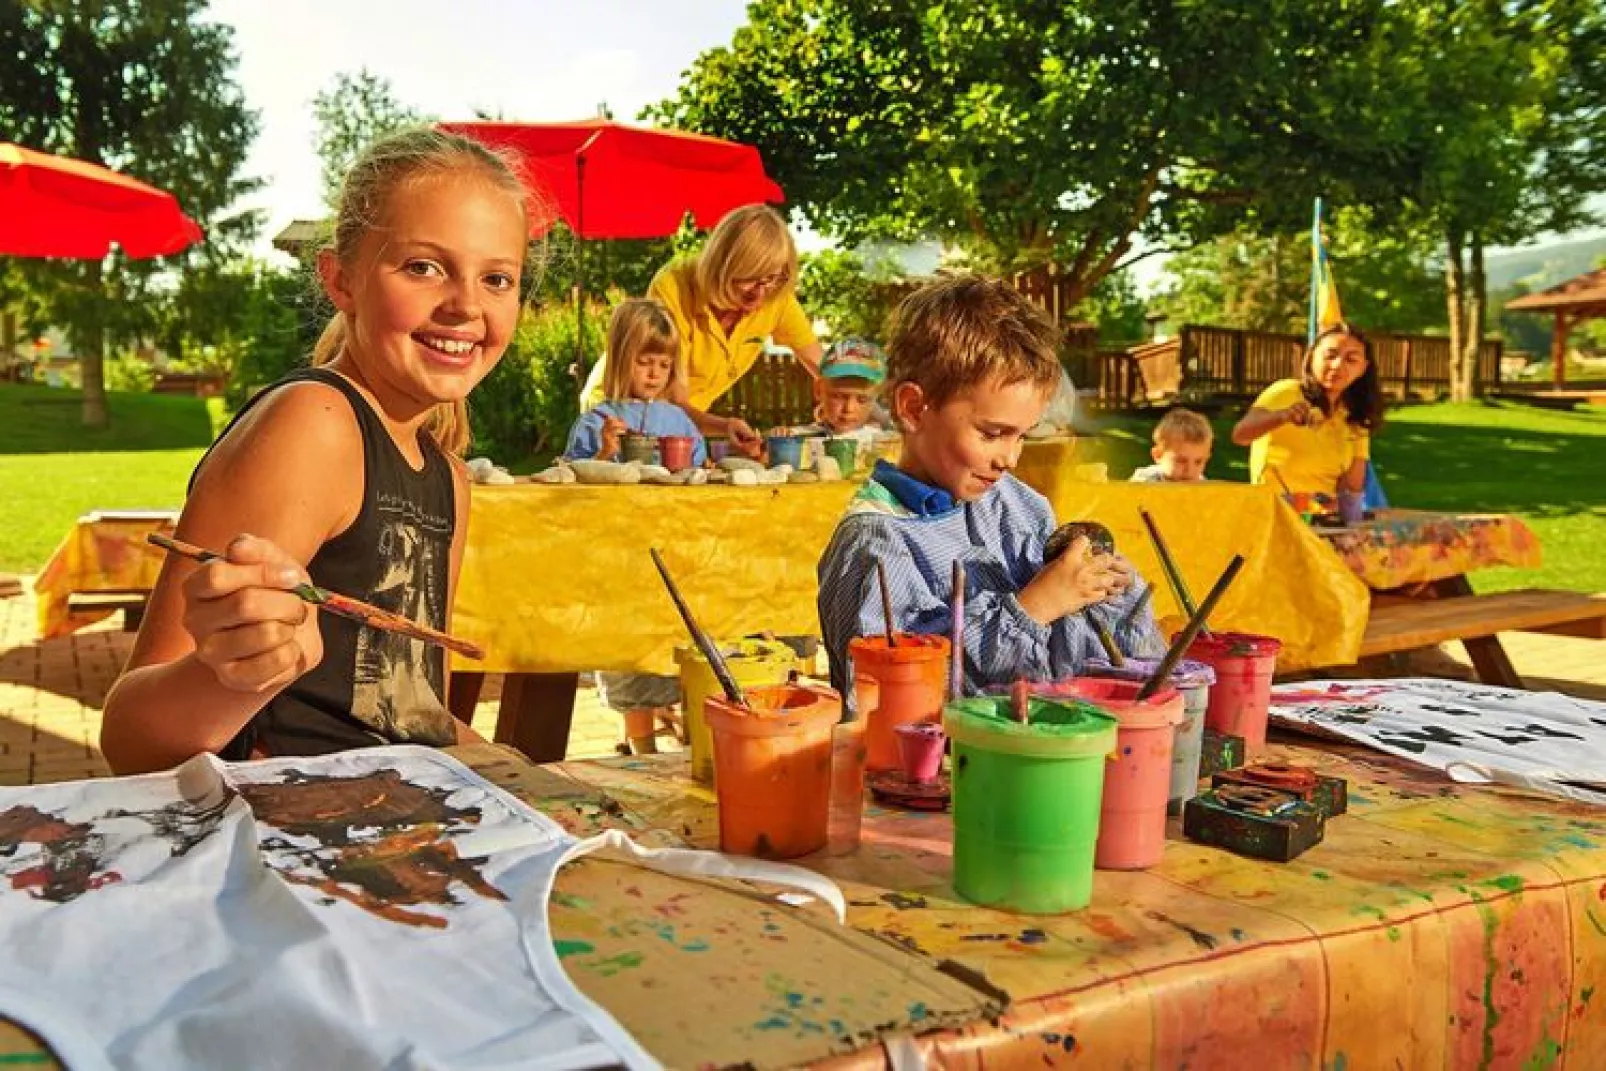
522	59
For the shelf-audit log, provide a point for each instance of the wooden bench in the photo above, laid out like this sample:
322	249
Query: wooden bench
131	603
1398	625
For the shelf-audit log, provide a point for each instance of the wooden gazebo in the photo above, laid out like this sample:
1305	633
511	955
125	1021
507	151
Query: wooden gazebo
1571	303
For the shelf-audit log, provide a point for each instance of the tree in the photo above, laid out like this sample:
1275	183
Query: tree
355	110
1031	132
141	86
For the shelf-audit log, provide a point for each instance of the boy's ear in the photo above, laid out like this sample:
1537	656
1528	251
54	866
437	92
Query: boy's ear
908	405
333	276
1157	451
819	389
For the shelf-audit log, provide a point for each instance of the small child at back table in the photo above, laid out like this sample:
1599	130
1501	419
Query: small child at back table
971	366
1182	446
642	363
845	394
348	473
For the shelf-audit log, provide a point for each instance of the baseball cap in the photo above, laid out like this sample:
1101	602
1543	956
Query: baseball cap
854	358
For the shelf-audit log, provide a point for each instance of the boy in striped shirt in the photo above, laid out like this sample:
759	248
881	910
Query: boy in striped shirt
971	366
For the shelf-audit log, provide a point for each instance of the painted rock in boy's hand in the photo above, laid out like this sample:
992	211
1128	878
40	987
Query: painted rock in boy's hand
1099	538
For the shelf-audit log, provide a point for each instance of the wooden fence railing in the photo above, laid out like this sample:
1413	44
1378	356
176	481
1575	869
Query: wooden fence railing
776	391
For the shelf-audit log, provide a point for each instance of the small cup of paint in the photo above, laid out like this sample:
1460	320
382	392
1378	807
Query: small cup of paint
1351	507
912	676
844	450
639	447
1240	700
718	450
786	450
920	747
676	451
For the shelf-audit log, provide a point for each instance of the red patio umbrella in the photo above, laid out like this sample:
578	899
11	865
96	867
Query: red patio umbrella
53	206
610	180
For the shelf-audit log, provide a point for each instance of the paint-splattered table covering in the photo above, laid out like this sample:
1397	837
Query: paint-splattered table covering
1437	926
1399	547
102	553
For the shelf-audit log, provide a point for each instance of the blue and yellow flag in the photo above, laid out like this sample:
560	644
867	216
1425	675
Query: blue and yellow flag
1325	310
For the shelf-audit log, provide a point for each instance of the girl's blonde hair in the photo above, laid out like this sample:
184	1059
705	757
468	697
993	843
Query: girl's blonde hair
638	325
749	243
385	167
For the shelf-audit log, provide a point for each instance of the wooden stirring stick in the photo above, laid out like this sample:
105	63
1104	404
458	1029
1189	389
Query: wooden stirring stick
886	604
1195	624
1106	641
716	661
1020	701
337	604
956	668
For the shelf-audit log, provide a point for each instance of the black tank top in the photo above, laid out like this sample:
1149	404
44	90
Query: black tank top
371	687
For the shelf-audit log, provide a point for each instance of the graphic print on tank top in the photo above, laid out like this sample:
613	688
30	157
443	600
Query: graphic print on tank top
398	684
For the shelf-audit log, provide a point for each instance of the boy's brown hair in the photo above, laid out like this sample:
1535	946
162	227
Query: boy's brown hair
1183	426
964	330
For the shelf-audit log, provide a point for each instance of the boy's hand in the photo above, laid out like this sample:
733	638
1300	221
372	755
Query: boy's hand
249	629
1297	414
1071	582
611	438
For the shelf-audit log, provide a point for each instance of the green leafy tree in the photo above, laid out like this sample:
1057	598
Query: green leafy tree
1030	133
354	110
141	86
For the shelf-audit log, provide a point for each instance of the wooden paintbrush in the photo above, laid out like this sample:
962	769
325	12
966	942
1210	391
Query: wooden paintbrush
1173	575
886	604
340	605
710	649
1179	645
956	668
1106	641
1289	494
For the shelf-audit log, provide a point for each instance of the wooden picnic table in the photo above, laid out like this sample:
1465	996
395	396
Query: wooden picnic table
1400	547
105	555
1437	925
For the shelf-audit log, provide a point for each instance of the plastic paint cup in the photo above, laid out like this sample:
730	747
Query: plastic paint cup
1351	507
1244	665
751	662
639	447
1138	782
844	450
914	683
1193	680
1026	801
847	787
718	450
774	769
786	450
676	451
920	747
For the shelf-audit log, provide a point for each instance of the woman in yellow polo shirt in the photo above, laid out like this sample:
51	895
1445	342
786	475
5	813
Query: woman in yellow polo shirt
1315	432
729	301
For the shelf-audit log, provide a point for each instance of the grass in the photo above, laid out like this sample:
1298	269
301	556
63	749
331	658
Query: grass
1547	467
54	469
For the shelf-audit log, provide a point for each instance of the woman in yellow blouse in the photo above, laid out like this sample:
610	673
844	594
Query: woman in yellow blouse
1315	432
728	302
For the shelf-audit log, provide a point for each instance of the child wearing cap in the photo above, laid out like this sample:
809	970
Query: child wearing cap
851	374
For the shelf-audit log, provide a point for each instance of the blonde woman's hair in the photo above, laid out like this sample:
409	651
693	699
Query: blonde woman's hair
638	325
749	243
964	330
387	165
1183	426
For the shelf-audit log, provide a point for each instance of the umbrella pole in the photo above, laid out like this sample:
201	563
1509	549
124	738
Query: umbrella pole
580	368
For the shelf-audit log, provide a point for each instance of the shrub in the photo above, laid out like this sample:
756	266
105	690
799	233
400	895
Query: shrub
526	404
127	374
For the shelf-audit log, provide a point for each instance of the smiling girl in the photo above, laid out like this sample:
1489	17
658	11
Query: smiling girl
1315	432
642	367
347	473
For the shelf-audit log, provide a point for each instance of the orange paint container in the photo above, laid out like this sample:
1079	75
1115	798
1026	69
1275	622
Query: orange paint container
772	769
913	680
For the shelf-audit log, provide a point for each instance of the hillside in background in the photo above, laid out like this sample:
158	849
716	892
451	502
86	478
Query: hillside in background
1543	265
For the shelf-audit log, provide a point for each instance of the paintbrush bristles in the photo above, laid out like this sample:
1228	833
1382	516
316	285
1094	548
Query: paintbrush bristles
710	650
886	604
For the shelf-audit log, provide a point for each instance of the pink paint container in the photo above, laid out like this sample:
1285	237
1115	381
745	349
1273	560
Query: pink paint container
1239	700
920	747
675	451
1137	782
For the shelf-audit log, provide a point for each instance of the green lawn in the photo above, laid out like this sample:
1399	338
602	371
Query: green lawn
1548	467
54	469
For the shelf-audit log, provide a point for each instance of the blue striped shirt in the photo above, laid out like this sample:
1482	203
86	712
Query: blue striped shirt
999	538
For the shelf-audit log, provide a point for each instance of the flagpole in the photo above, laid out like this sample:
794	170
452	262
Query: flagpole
1315	272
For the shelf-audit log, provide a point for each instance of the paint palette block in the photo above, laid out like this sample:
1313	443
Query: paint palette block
1329	795
1220	751
1253	820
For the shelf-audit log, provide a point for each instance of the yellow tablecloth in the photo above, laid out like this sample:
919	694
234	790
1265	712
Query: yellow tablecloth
557	578
1400	547
1436	926
100	554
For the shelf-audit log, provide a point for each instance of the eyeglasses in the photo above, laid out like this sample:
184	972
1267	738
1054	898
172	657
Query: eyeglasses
773	281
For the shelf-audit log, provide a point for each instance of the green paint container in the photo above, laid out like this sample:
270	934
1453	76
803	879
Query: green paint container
844	450
1026	801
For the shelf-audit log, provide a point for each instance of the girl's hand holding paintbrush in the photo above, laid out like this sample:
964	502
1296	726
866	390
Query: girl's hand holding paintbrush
249	626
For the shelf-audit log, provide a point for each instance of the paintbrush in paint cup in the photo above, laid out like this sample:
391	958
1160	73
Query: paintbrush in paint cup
710	649
340	605
1179	644
1173	575
956	669
886	604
